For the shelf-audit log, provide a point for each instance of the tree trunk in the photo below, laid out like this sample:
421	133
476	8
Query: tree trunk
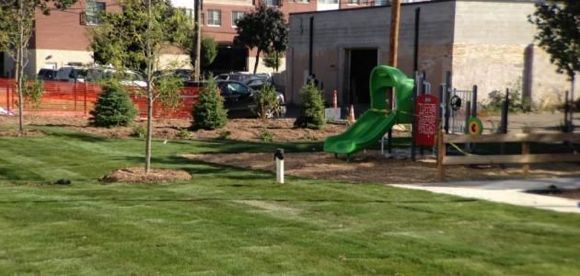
572	83
572	101
19	67
277	64
149	127
150	96
20	80
197	61
257	60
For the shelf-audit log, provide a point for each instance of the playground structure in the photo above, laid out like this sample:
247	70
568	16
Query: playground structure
456	123
373	124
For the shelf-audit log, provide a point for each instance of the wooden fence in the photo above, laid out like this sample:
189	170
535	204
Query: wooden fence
525	158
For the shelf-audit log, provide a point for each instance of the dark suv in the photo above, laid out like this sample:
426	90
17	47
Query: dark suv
47	74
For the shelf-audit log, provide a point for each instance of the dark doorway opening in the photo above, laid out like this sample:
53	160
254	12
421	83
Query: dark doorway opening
229	59
362	62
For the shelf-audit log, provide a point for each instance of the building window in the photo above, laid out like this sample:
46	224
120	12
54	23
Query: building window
236	15
328	2
353	2
272	3
214	18
93	12
302	1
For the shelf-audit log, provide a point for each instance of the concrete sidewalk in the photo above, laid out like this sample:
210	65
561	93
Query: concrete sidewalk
509	191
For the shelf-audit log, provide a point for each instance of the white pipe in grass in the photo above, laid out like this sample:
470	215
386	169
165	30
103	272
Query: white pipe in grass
279	157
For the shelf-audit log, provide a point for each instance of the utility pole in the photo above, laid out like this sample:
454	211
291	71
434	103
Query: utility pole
197	62
395	19
393	52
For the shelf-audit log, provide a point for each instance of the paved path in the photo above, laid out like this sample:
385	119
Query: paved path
510	192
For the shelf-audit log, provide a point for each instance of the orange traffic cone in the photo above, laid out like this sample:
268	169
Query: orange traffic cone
351	118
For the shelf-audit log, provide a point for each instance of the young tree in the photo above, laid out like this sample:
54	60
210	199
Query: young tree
559	35
209	113
134	38
264	29
17	23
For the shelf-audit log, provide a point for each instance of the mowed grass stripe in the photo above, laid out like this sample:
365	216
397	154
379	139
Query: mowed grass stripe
230	221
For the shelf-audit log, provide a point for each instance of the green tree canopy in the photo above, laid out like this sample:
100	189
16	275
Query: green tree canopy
264	29
122	39
558	25
134	38
208	50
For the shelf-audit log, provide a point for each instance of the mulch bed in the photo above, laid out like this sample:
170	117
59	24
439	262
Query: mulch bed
371	166
138	175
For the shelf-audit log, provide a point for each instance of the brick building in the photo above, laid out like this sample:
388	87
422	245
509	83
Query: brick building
63	36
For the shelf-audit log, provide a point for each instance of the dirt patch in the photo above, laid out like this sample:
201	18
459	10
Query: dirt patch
280	130
555	191
138	175
373	167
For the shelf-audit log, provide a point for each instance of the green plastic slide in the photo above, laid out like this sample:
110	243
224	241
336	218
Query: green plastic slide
373	124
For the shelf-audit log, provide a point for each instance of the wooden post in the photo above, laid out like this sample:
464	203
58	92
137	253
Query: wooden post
393	53
526	151
440	156
197	61
395	19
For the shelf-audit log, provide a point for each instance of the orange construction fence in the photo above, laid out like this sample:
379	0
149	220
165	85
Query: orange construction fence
78	99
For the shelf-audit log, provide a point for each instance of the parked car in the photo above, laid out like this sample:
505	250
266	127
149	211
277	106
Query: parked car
244	77
71	74
128	77
183	74
47	74
240	99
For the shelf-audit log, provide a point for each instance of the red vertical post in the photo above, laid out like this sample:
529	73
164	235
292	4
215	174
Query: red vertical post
85	100
10	92
75	99
8	95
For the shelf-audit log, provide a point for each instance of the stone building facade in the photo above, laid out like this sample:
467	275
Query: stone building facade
481	42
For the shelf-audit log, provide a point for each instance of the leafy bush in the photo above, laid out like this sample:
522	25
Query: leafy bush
266	136
312	108
169	88
113	107
33	91
273	59
516	102
209	113
138	131
183	134
266	102
209	50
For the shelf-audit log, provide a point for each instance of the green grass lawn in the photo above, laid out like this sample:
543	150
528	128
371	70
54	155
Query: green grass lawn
228	221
